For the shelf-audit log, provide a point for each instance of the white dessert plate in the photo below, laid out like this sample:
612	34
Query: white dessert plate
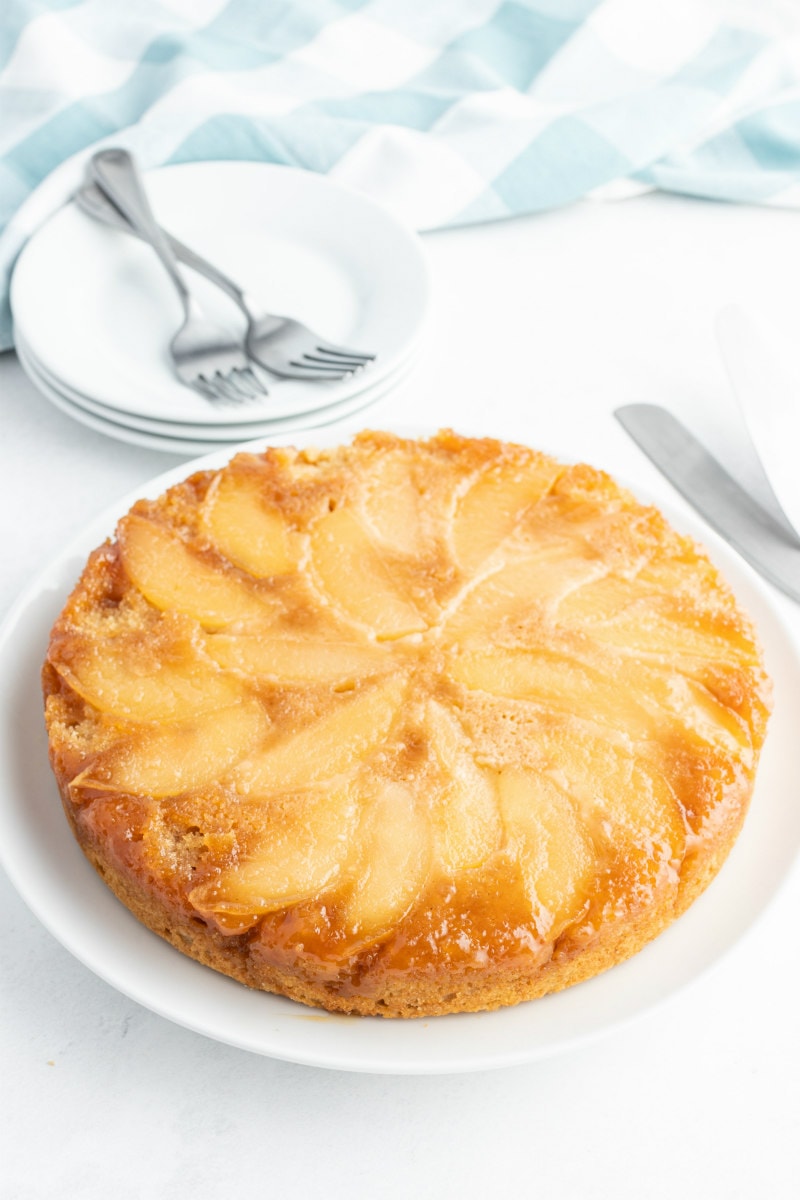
96	310
193	444
209	435
50	872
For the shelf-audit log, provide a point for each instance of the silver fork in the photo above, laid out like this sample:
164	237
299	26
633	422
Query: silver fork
205	356
281	345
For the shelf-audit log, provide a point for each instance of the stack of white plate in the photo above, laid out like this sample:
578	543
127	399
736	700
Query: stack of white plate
94	311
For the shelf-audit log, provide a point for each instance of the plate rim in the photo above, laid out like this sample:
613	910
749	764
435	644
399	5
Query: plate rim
340	412
231	434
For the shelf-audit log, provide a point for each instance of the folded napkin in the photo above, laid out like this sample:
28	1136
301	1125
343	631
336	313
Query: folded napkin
447	111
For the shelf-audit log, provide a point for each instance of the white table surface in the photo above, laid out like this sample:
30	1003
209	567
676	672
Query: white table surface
539	328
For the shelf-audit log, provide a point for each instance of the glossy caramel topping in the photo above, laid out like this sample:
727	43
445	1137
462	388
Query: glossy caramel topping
447	698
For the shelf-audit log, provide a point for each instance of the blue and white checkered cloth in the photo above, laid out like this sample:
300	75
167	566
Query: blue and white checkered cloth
447	111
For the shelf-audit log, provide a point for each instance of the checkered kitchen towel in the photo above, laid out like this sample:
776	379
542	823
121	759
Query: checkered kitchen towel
448	111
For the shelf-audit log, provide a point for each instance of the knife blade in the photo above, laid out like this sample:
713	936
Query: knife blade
715	494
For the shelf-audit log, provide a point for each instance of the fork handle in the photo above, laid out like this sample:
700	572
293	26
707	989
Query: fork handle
117	175
94	201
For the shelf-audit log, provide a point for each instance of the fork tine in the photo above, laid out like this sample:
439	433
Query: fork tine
238	388
258	382
225	388
343	352
344	364
248	382
315	371
204	387
297	370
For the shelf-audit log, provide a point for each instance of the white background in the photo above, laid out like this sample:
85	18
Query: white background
540	327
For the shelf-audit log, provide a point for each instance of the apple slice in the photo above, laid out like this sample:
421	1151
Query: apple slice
300	854
655	627
392	504
624	805
240	522
494	504
180	756
530	579
555	856
599	600
394	841
166	572
356	577
557	683
293	660
344	736
145	680
466	821
685	705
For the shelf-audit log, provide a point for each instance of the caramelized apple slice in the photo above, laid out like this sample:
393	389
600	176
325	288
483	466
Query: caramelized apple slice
167	573
625	807
296	661
238	520
356	577
466	822
559	684
684	575
394	841
494	504
526	581
554	854
686	705
145	679
340	739
181	756
392	504
655	627
303	847
598	600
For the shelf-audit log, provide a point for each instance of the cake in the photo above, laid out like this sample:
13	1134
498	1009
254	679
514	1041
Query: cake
405	727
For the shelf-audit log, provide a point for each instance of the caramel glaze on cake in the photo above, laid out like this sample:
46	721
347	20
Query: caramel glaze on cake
404	728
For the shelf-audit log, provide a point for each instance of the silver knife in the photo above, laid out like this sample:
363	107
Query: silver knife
715	494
